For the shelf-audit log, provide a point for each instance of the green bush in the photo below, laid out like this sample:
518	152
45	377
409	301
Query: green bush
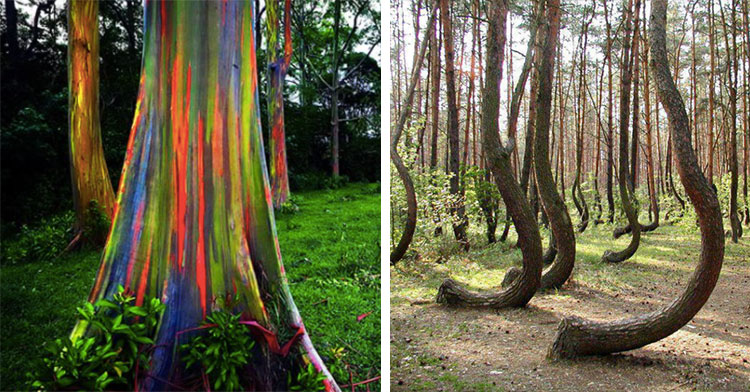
39	243
222	352
316	180
308	379
108	358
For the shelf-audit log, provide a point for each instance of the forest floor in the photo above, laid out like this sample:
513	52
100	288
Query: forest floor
434	347
330	244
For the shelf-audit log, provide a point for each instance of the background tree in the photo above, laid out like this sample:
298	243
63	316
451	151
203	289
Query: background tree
459	226
92	190
277	69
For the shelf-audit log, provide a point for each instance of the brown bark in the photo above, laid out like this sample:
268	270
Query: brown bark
458	210
610	121
576	337
92	188
624	173
562	228
520	291
732	69
403	172
577	194
711	45
654	203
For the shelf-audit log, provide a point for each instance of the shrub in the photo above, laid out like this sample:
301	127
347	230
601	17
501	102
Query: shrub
39	243
222	352
121	335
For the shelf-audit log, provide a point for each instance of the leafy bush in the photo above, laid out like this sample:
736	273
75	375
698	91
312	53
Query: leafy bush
308	379
97	224
291	206
122	333
222	351
316	180
42	242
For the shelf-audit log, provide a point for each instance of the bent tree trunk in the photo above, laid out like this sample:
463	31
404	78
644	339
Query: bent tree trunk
624	172
520	291
403	172
277	69
580	337
88	170
194	224
559	219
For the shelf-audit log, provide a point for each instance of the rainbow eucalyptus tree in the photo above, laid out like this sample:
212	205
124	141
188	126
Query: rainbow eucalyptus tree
576	336
277	69
88	170
193	224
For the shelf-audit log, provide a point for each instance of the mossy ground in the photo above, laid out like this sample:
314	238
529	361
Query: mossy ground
434	347
331	251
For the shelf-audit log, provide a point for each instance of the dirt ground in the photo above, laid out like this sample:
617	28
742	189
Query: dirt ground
438	348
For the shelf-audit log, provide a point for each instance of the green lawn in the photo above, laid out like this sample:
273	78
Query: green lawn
331	250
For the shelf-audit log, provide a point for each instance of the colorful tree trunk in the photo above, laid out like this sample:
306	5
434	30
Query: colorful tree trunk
277	68
88	170
193	224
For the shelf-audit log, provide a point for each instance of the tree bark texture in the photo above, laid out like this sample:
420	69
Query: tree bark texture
576	337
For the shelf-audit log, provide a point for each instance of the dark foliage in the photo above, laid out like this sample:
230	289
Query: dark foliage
34	115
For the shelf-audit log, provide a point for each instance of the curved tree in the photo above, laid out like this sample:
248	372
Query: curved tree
559	219
403	172
521	290
194	225
577	337
577	194
277	69
88	170
626	193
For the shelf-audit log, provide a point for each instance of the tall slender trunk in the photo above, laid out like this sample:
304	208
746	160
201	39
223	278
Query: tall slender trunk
458	210
277	69
654	203
411	196
92	188
624	174
610	121
711	88
577	194
576	336
732	69
335	89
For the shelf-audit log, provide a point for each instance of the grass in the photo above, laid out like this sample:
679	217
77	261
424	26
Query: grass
331	251
484	266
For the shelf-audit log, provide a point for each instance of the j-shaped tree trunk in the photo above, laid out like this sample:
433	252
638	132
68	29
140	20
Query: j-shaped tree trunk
559	219
624	172
403	172
578	199
576	337
194	223
92	187
277	69
520	291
